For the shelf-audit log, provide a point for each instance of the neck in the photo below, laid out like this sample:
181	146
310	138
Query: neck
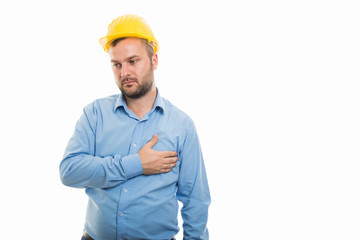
142	105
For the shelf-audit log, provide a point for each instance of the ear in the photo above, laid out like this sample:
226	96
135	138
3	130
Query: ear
155	61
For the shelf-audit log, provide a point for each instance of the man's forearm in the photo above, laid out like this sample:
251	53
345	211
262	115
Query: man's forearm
84	170
195	216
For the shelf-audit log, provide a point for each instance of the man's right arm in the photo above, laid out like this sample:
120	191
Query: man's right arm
81	168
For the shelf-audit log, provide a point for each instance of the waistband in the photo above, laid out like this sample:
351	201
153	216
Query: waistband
88	237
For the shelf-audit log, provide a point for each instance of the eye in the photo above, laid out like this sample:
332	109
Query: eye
116	65
133	61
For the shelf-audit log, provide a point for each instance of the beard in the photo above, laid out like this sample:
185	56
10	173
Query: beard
142	88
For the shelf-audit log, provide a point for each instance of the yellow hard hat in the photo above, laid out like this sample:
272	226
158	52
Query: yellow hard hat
128	26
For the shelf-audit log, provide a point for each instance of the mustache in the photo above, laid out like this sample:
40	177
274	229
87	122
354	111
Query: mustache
126	79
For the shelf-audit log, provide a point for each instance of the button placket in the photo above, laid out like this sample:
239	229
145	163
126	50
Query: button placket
134	148
136	138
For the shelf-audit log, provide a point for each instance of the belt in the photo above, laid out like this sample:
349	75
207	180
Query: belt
88	237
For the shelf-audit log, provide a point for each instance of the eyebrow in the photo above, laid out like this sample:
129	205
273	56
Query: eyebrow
128	58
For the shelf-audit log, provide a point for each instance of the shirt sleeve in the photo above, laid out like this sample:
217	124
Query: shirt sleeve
193	190
81	168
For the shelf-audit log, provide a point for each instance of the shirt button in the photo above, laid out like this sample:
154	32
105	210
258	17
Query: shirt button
121	214
125	190
134	145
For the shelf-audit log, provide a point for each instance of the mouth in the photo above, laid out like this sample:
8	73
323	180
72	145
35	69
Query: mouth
128	82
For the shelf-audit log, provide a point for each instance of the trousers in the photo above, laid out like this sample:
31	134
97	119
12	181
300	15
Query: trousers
83	238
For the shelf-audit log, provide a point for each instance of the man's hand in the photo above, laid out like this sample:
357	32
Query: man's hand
155	162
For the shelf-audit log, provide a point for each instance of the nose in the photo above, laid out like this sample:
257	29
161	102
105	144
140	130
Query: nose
124	71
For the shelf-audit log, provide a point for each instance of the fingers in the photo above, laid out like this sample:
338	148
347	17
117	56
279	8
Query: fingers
167	154
153	141
170	164
170	160
155	162
168	167
164	154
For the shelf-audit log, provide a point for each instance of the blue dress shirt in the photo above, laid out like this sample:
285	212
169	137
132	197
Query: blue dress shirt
102	157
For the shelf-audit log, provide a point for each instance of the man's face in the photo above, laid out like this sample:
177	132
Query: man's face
132	67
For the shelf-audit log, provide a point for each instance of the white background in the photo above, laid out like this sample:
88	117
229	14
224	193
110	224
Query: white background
273	87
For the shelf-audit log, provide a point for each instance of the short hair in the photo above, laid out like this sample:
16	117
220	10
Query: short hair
149	46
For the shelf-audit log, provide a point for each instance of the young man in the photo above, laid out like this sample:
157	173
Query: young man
135	153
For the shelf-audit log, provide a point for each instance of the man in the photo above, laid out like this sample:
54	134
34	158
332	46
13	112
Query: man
135	153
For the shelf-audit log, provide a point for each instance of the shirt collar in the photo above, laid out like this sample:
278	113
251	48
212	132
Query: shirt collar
159	102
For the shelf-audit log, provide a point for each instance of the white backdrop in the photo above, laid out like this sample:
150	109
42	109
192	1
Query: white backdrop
273	87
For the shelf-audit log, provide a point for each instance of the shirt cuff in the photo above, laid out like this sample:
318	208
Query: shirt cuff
132	165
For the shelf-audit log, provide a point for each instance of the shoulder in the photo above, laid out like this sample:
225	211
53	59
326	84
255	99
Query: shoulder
176	114
101	104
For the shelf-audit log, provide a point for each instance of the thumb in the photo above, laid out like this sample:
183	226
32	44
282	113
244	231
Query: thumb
153	141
